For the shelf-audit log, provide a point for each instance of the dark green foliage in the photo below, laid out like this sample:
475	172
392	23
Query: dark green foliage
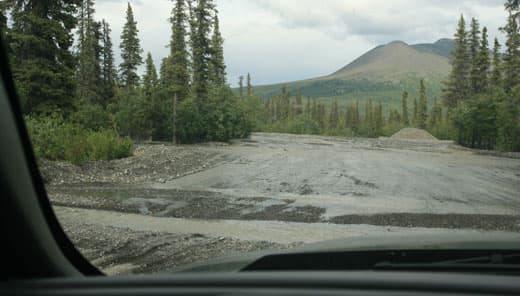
132	116
217	67
474	47
39	42
108	70
496	74
92	117
482	65
488	117
202	20
422	108
89	55
512	54
175	75
130	52
250	86
404	102
241	87
150	79
458	84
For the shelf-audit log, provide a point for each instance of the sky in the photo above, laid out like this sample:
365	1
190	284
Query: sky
286	40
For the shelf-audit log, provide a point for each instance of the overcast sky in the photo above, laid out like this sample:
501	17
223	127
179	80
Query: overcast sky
286	40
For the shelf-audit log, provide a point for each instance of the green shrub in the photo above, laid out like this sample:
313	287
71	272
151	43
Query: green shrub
92	117
53	138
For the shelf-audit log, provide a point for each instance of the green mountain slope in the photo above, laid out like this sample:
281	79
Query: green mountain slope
381	74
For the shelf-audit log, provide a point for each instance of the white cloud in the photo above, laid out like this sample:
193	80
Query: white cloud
295	39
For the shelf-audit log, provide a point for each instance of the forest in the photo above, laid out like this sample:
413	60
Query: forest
79	105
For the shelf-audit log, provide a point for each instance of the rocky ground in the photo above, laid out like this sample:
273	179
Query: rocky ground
326	186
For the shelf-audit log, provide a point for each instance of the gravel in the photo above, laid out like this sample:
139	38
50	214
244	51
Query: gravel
150	163
413	134
118	251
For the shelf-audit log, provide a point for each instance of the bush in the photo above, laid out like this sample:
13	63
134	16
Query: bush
53	138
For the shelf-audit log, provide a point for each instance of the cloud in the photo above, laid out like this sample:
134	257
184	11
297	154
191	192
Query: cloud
296	39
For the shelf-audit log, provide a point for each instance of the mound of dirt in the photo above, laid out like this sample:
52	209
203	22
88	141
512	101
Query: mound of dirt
413	134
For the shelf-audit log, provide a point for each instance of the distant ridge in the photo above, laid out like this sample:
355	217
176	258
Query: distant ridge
381	72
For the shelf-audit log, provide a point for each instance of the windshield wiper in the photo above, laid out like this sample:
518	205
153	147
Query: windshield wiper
492	262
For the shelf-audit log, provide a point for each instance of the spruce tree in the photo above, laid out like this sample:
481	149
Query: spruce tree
334	115
496	73
201	50
150	80
512	54
404	103
249	86
456	88
130	52
299	102
175	74
474	55
241	87
217	67
378	119
43	66
356	120
89	54
422	111
483	65
108	70
415	112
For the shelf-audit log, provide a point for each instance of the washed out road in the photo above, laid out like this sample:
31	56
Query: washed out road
328	187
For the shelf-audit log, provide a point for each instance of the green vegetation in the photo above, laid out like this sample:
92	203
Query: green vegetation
79	107
481	97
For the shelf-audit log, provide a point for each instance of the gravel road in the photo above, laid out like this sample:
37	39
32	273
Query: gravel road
326	183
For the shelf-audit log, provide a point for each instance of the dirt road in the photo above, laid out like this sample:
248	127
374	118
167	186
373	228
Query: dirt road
331	184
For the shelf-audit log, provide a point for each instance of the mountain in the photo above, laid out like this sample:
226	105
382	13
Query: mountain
442	47
381	73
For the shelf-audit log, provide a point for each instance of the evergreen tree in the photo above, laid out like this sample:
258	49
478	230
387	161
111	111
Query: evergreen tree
404	102
150	79
89	54
457	86
217	67
474	54
422	111
512	54
496	73
415	112
334	115
130	52
378	119
249	86
201	50
307	110
108	70
175	74
483	64
241	87
299	102
43	65
356	121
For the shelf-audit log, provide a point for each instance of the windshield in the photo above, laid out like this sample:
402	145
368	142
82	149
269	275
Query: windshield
176	132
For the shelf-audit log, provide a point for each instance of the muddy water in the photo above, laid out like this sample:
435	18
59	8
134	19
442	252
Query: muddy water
362	176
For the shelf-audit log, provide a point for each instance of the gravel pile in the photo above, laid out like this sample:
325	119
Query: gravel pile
150	163
413	134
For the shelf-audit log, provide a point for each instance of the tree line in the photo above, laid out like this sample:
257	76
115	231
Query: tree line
480	107
187	100
293	114
482	94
